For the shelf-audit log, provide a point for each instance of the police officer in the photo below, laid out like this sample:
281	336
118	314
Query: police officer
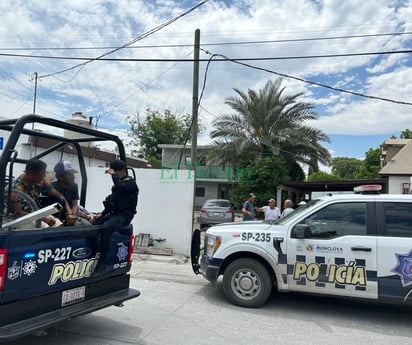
119	210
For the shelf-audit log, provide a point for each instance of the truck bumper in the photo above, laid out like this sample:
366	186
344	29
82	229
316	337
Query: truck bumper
27	325
210	268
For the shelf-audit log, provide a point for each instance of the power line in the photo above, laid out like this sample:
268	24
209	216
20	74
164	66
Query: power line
237	61
142	36
213	44
223	58
27	102
205	78
146	84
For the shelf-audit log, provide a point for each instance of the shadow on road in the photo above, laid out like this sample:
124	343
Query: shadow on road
89	329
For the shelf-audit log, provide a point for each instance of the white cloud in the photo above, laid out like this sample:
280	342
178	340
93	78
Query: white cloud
367	116
114	90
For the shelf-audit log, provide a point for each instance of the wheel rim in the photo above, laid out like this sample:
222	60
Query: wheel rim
246	284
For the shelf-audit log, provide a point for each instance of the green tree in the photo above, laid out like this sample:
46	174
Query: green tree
261	177
322	176
345	167
157	128
406	134
371	165
267	122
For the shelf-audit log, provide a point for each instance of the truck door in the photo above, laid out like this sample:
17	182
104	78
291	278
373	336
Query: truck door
395	251
337	255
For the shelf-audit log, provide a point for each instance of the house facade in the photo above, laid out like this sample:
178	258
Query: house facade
396	162
213	179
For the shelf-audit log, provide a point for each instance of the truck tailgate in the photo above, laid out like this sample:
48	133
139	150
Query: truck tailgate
60	259
39	312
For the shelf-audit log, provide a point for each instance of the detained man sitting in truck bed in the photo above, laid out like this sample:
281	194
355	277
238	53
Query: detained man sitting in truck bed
34	184
66	185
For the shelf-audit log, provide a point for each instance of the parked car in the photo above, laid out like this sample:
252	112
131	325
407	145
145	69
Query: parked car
216	211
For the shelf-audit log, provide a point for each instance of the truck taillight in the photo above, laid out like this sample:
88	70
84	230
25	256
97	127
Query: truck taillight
131	248
3	264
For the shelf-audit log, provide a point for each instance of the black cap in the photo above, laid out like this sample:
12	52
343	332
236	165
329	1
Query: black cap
118	165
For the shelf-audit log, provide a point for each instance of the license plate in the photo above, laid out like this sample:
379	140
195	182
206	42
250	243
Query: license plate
216	214
73	295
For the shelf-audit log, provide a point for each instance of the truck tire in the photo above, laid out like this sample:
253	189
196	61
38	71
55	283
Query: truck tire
8	213
247	283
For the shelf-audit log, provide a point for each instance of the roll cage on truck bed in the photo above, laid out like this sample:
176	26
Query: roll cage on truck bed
47	276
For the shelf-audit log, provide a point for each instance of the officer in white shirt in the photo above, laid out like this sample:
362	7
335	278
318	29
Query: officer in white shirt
271	212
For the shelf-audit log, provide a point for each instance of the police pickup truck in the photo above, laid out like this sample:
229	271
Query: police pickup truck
46	275
357	246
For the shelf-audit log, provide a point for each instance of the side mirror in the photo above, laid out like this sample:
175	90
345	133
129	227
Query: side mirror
301	231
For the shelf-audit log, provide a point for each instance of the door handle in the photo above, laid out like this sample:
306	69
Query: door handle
361	249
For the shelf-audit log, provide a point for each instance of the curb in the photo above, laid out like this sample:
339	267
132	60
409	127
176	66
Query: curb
174	259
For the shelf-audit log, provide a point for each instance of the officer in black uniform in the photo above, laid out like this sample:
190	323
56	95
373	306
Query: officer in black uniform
119	210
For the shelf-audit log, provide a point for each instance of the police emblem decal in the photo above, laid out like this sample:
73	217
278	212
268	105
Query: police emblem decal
122	252
29	268
404	268
13	271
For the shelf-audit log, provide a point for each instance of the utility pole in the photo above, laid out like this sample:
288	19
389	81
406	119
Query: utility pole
35	77
195	108
195	102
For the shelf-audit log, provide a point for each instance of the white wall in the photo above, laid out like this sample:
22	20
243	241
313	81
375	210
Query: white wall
395	184
165	204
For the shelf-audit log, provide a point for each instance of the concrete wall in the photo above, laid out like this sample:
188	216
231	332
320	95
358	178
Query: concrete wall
165	204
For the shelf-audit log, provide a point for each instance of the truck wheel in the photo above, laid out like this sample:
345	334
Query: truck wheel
247	283
23	197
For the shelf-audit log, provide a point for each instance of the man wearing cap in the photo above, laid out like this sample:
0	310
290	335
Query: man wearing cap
248	210
271	211
68	188
119	210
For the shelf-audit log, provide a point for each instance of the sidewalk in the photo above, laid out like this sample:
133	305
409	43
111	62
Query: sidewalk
168	259
173	268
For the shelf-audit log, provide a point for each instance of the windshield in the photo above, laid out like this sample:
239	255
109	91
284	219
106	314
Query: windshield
216	203
296	212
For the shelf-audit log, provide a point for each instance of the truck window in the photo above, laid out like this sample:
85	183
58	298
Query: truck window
340	219
398	219
297	212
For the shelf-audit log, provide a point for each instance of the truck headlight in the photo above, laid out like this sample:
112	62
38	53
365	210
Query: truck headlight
213	243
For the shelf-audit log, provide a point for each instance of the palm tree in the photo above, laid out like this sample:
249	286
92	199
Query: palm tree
267	122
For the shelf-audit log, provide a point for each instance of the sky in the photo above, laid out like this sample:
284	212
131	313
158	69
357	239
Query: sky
111	91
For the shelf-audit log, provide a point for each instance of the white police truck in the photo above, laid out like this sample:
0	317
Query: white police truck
357	246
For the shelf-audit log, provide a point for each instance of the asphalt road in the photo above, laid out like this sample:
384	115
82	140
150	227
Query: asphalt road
178	308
